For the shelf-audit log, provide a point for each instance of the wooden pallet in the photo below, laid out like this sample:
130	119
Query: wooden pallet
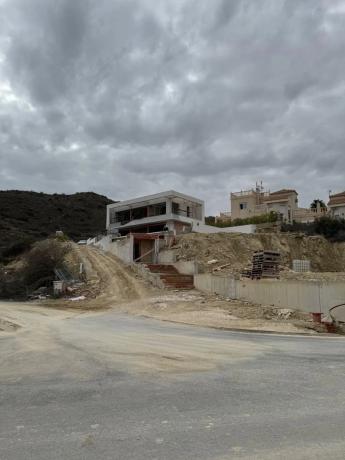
265	264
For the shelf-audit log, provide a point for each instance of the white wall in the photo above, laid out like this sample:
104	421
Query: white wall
222	285
121	248
308	296
279	209
339	211
166	256
186	267
203	228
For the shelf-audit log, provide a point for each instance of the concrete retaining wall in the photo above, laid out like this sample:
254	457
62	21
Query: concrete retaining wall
308	296
186	267
166	256
121	248
222	285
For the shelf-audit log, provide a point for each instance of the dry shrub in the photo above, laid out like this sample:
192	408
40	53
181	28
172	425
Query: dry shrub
42	259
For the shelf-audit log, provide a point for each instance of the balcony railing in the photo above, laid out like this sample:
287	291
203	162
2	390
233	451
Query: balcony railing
244	193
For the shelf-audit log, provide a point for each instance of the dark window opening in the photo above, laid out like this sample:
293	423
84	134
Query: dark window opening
139	213
136	250
121	216
158	209
175	208
156	228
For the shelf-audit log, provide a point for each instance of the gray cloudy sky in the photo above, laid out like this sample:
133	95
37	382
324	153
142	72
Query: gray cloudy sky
128	97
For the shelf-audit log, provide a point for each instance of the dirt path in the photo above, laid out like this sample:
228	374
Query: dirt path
114	282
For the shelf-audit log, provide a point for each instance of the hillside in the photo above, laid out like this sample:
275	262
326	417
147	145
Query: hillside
236	250
29	216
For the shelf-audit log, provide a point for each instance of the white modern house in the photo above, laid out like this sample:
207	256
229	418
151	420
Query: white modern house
139	228
171	210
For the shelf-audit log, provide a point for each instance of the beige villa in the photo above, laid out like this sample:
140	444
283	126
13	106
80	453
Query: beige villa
257	202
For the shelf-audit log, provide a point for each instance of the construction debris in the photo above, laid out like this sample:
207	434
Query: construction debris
217	269
284	313
211	262
77	299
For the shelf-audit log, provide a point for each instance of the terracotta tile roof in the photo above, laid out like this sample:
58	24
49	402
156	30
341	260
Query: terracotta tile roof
338	198
279	195
284	190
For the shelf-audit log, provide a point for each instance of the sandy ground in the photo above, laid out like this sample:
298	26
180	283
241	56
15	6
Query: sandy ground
114	285
80	345
101	384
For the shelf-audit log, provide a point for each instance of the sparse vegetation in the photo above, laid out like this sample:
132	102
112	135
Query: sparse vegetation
41	260
36	269
263	219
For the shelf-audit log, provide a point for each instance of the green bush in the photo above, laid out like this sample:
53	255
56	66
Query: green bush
330	228
210	220
263	219
333	229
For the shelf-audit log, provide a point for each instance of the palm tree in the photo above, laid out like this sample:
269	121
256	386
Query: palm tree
316	202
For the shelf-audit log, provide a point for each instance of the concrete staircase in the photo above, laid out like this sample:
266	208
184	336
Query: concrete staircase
171	278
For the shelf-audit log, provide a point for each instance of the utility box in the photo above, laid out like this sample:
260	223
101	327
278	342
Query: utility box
59	287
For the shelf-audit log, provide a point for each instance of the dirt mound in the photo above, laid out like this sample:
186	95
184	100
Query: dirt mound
108	281
237	250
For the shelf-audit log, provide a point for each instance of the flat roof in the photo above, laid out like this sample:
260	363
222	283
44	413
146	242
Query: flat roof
147	198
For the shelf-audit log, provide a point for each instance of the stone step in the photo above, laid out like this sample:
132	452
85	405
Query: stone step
160	268
176	277
171	278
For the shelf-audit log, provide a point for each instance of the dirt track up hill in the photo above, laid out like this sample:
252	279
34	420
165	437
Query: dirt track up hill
114	282
237	249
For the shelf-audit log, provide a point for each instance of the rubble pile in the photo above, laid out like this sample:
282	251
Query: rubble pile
233	252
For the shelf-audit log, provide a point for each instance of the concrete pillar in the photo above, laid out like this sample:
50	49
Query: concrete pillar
168	206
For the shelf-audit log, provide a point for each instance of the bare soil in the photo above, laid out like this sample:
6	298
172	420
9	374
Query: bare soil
111	284
236	250
66	343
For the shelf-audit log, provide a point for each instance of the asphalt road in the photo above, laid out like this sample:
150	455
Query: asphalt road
107	386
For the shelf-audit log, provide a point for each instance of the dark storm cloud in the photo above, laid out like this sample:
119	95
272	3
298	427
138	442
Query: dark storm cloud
134	96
